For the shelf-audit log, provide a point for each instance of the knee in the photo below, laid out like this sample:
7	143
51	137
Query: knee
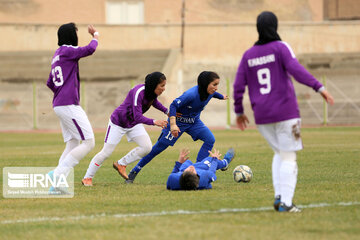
210	139
145	149
89	143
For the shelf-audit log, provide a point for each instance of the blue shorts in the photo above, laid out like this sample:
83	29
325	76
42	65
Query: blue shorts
196	130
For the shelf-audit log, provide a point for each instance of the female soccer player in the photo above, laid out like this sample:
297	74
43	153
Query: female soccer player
185	117
264	68
128	119
64	81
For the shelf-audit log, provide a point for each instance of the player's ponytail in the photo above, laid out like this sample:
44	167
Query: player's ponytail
151	82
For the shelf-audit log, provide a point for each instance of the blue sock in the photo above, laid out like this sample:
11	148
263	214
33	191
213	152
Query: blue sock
204	151
221	164
156	149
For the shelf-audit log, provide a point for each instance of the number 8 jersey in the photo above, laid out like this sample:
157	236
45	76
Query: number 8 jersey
266	70
64	75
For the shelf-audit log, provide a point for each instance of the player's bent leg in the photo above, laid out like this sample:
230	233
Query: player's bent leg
156	149
137	153
288	179
209	139
98	160
70	145
74	157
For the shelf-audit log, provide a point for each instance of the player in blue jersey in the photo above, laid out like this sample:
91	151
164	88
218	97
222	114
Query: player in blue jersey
184	116
197	176
64	82
265	69
128	119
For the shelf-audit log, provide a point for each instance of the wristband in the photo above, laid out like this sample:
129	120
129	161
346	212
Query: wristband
320	90
96	34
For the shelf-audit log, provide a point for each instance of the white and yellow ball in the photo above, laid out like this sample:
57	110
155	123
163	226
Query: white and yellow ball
242	173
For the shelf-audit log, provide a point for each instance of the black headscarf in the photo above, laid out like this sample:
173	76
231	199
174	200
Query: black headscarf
151	82
204	79
267	28
67	34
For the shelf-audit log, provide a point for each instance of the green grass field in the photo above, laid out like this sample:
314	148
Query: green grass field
329	174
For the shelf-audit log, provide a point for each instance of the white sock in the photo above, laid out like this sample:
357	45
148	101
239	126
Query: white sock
98	159
70	145
74	157
137	153
276	163
288	176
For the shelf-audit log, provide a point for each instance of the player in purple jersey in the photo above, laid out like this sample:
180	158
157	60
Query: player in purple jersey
265	69
128	119
64	82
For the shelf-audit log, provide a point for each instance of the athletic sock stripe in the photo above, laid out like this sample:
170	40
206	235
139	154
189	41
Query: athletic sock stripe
79	129
107	133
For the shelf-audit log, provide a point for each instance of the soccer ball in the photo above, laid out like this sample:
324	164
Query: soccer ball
242	173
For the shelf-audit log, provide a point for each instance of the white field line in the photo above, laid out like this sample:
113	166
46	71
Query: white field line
167	213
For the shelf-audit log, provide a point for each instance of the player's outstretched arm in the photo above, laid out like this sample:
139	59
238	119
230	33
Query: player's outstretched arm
183	156
93	32
160	123
242	121
173	127
327	96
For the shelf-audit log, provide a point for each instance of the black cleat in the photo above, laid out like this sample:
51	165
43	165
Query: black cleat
292	208
132	176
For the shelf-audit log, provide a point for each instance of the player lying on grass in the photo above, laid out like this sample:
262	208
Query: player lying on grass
266	68
64	81
128	119
187	175
185	117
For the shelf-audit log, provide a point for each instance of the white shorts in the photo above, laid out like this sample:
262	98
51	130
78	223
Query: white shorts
283	136
114	133
74	122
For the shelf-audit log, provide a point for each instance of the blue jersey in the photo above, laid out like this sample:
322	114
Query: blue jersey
205	170
190	105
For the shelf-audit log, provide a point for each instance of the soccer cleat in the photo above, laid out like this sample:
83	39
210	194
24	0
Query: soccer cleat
229	156
121	169
131	178
277	202
292	208
87	182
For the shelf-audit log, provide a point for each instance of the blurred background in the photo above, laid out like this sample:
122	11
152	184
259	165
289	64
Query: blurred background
180	38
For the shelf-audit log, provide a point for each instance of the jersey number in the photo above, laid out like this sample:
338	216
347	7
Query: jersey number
263	75
57	76
169	136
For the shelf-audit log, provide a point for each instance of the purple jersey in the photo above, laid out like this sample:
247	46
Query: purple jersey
265	70
131	111
63	79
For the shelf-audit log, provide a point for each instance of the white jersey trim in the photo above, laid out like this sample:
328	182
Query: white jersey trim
290	49
137	94
70	46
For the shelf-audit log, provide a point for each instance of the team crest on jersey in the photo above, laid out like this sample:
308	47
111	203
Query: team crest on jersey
178	101
189	106
207	163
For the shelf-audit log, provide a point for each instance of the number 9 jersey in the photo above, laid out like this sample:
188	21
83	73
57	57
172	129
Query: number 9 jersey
266	70
64	75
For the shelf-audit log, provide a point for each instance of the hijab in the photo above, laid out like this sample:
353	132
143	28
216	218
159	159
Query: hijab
204	79
267	28
67	35
151	82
